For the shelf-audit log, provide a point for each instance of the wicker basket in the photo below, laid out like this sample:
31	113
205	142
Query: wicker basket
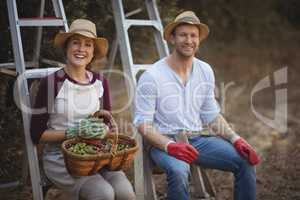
83	165
122	160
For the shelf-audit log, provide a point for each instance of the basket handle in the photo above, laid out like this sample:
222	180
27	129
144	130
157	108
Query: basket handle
114	146
113	127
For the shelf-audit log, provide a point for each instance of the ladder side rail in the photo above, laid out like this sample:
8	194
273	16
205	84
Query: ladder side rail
199	177
127	62
25	106
124	43
114	46
150	192
162	47
195	171
112	57
37	49
16	36
60	12
140	184
153	13
24	103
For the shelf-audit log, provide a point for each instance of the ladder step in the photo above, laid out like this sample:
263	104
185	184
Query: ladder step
140	67
8	72
11	65
10	184
138	22
53	62
38	21
40	72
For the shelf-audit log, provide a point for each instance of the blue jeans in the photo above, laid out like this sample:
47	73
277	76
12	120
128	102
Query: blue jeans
214	153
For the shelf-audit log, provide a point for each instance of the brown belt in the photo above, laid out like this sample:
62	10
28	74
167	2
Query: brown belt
191	134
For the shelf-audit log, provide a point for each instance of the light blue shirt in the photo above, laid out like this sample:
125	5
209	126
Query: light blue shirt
163	100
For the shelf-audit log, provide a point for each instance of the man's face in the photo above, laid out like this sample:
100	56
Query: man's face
186	40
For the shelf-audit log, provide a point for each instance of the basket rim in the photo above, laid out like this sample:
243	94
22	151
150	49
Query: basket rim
100	155
69	154
134	148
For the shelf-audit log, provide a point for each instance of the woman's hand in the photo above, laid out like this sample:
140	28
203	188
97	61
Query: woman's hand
108	119
92	128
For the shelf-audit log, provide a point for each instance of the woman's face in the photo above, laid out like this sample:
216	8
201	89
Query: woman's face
79	51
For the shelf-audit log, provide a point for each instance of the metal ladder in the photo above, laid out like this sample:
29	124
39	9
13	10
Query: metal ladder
17	23
142	187
31	157
143	179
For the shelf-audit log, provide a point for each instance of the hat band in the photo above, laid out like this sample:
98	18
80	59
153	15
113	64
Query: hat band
188	19
84	30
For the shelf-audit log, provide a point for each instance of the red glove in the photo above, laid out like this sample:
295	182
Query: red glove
182	151
246	151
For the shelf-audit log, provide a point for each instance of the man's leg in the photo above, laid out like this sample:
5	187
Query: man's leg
177	174
217	153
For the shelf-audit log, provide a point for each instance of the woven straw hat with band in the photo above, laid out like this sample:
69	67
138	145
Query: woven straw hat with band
84	28
187	17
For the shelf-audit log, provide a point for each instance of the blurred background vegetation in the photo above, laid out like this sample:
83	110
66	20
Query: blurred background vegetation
248	40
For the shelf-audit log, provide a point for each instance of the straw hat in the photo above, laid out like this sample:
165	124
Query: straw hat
85	28
187	17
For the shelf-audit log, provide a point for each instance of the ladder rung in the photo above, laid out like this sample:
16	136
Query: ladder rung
10	184
137	67
11	65
37	73
48	21
8	72
136	11
138	22
53	62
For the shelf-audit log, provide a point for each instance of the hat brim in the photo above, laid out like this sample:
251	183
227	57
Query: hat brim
101	44
203	29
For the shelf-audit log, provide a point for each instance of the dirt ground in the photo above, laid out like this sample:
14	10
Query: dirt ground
277	174
279	171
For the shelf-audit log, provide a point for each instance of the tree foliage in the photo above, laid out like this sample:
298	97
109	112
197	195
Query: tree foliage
228	19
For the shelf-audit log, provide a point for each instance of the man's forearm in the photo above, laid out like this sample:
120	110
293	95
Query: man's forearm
223	129
153	136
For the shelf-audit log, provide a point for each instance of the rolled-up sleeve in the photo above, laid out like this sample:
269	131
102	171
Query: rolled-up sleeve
145	100
210	108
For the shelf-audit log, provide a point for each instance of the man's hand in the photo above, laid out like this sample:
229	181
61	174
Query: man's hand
246	151
182	151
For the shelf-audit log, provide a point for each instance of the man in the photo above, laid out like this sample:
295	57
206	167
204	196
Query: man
177	94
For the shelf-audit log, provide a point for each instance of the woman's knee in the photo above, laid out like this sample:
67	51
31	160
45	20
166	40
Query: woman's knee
107	194
125	194
121	185
97	190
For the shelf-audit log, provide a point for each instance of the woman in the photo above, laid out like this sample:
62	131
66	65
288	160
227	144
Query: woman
69	95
